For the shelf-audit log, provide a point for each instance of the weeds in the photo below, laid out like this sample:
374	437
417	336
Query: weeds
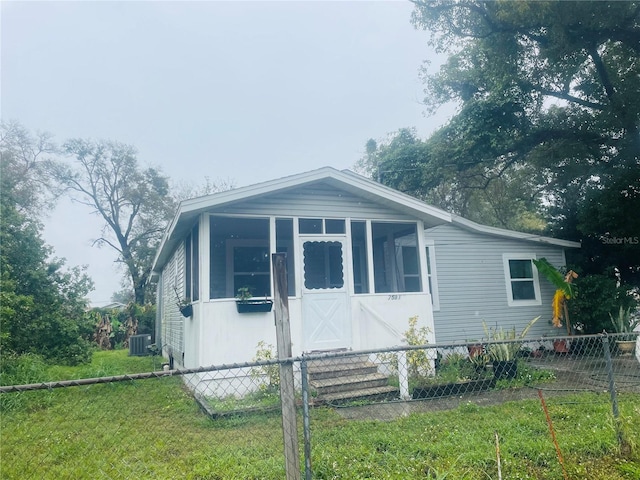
269	372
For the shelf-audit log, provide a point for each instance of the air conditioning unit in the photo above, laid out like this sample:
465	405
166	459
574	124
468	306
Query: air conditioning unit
138	345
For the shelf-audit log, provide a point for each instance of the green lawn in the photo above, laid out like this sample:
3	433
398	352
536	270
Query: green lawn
154	429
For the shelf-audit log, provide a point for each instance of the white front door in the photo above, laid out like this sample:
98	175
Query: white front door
326	319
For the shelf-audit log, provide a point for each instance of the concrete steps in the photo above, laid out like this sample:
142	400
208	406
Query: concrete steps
345	379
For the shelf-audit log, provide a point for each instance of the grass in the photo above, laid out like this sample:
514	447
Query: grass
262	400
154	429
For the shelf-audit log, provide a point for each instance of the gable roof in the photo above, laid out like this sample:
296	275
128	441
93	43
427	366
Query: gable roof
356	184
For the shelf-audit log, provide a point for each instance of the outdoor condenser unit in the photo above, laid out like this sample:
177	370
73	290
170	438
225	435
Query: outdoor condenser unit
138	345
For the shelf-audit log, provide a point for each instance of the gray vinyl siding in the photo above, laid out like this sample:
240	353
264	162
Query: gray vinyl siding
315	201
172	320
472	285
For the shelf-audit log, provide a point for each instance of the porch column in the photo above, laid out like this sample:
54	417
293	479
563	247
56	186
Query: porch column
369	251
422	255
204	250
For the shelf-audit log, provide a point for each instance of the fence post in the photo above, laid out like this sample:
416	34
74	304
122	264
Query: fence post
612	389
287	389
403	375
306	427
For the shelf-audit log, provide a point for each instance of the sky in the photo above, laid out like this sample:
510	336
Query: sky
238	91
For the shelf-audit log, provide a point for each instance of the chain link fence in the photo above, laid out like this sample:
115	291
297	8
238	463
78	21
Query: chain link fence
232	421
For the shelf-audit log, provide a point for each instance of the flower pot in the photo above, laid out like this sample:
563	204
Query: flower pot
475	349
254	306
186	311
626	347
505	369
561	346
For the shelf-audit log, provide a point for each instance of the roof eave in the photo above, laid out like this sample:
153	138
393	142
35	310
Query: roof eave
501	232
360	184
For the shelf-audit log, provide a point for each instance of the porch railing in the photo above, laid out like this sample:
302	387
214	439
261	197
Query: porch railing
403	372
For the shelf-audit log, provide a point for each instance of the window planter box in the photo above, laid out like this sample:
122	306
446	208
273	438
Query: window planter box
254	306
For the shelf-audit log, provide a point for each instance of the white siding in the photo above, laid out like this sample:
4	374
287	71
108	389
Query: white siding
313	202
172	319
472	285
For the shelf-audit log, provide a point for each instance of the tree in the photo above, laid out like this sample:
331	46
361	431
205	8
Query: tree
134	203
23	160
548	109
414	166
609	222
41	304
185	191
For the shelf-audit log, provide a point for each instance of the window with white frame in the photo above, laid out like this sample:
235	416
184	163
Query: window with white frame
521	276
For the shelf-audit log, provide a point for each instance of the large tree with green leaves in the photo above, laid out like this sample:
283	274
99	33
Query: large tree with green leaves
134	202
42	304
412	165
548	97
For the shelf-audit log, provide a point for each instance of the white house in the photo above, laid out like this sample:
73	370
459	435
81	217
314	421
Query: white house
362	259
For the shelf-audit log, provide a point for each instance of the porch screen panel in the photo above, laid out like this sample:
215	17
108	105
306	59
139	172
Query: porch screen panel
359	255
284	244
239	256
396	264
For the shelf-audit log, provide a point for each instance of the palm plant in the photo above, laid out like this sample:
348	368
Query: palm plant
565	290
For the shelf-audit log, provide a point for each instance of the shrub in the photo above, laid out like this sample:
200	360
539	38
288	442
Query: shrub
599	297
418	362
270	372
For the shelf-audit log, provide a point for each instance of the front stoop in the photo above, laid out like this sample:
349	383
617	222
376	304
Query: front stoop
345	379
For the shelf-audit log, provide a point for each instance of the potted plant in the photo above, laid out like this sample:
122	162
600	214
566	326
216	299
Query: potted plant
504	354
480	361
623	323
455	374
184	304
474	347
186	307
246	303
565	290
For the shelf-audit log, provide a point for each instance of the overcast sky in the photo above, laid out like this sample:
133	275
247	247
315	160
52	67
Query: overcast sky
247	91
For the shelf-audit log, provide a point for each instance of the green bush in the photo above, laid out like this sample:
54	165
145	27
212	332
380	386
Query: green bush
598	297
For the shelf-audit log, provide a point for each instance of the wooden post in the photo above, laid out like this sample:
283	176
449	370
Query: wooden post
287	389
